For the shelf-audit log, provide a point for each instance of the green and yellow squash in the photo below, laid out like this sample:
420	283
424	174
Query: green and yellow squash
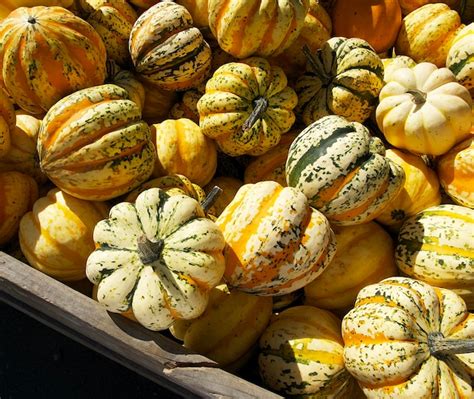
461	57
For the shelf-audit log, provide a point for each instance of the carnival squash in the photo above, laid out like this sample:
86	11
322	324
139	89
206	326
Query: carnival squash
461	57
390	65
7	6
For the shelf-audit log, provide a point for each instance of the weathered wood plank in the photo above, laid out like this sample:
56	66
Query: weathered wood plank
146	352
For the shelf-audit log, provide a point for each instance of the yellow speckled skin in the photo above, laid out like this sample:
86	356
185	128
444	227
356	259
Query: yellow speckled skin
94	145
18	192
386	345
229	101
7	6
56	236
59	52
461	57
167	49
7	123
256	27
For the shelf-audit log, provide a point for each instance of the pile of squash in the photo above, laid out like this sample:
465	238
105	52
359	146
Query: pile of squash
287	186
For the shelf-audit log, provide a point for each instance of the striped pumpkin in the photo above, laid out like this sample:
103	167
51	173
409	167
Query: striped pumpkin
420	190
456	170
301	353
427	33
275	242
159	257
247	107
254	27
461	57
437	246
56	236
93	144
167	49
342	170
271	165
364	256
17	196
7	6
60	53
7	123
400	341
343	78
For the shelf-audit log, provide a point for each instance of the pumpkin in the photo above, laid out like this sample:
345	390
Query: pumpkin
158	103
187	107
7	6
93	144
254	27
437	246
167	50
271	165
301	353
113	20
455	169
128	81
390	65
183	149
229	186
198	10
424	110
50	68
18	193
7	123
411	5
364	256
461	57
22	156
229	327
159	257
247	107
344	78
275	242
56	236
420	190
377	23
342	170
427	33
405	339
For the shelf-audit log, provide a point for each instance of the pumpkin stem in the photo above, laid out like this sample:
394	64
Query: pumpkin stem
211	198
260	106
32	20
440	347
418	96
149	251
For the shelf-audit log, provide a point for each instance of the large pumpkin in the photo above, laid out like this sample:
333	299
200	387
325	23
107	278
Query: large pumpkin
402	340
342	170
437	246
59	52
461	57
424	110
56	236
275	242
93	144
343	78
167	49
7	123
159	258
255	27
247	107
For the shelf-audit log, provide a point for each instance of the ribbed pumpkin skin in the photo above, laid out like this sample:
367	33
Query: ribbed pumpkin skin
343	78
271	165
22	156
342	171
428	123
231	324
364	256
167	50
437	246
275	243
386	341
231	96
60	53
427	33
94	145
420	190
461	57
7	6
56	236
455	171
172	284
229	186
301	353
17	196
254	27
182	148
7	123
390	65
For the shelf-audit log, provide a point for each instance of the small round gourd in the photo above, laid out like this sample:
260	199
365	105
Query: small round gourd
7	123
